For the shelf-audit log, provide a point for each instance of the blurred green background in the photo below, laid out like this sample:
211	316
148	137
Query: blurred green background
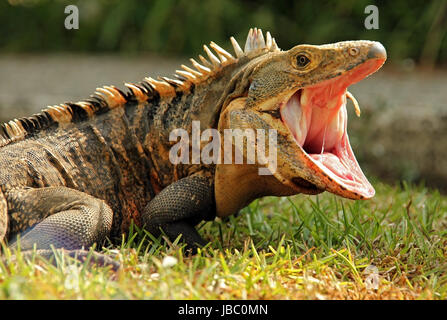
408	29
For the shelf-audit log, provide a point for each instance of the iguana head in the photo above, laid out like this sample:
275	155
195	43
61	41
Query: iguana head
302	94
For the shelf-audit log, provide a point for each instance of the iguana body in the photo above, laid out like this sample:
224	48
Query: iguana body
78	173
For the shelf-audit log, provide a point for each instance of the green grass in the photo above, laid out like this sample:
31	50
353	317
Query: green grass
318	247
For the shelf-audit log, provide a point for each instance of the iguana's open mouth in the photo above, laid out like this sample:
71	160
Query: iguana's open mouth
317	118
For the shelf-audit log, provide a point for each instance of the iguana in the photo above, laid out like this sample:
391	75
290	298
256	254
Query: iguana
78	173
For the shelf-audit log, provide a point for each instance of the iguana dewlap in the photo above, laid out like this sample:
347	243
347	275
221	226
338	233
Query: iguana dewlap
77	173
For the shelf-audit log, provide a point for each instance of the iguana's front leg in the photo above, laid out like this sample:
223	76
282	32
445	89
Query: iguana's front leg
69	219
179	207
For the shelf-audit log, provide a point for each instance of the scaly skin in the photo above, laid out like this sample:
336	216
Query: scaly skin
78	173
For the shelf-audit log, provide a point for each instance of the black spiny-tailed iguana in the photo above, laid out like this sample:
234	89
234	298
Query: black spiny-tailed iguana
77	173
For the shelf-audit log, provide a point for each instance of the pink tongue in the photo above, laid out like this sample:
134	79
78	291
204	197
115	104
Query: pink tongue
333	163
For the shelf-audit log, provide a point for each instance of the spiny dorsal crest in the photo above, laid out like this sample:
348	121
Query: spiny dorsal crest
110	97
254	45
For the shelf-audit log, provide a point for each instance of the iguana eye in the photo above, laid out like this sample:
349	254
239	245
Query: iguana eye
302	60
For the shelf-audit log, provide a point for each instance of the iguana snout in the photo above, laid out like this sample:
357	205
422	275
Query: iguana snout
314	113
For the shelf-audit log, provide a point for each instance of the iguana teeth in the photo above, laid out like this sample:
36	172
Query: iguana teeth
221	52
268	41
199	67
194	72
214	60
237	49
354	101
205	62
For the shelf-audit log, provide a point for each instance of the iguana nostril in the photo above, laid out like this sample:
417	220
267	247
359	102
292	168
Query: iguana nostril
377	51
354	51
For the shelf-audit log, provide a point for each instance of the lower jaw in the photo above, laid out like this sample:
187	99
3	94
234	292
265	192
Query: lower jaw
340	173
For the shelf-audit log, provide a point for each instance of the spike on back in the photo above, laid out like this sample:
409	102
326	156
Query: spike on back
137	91
255	44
